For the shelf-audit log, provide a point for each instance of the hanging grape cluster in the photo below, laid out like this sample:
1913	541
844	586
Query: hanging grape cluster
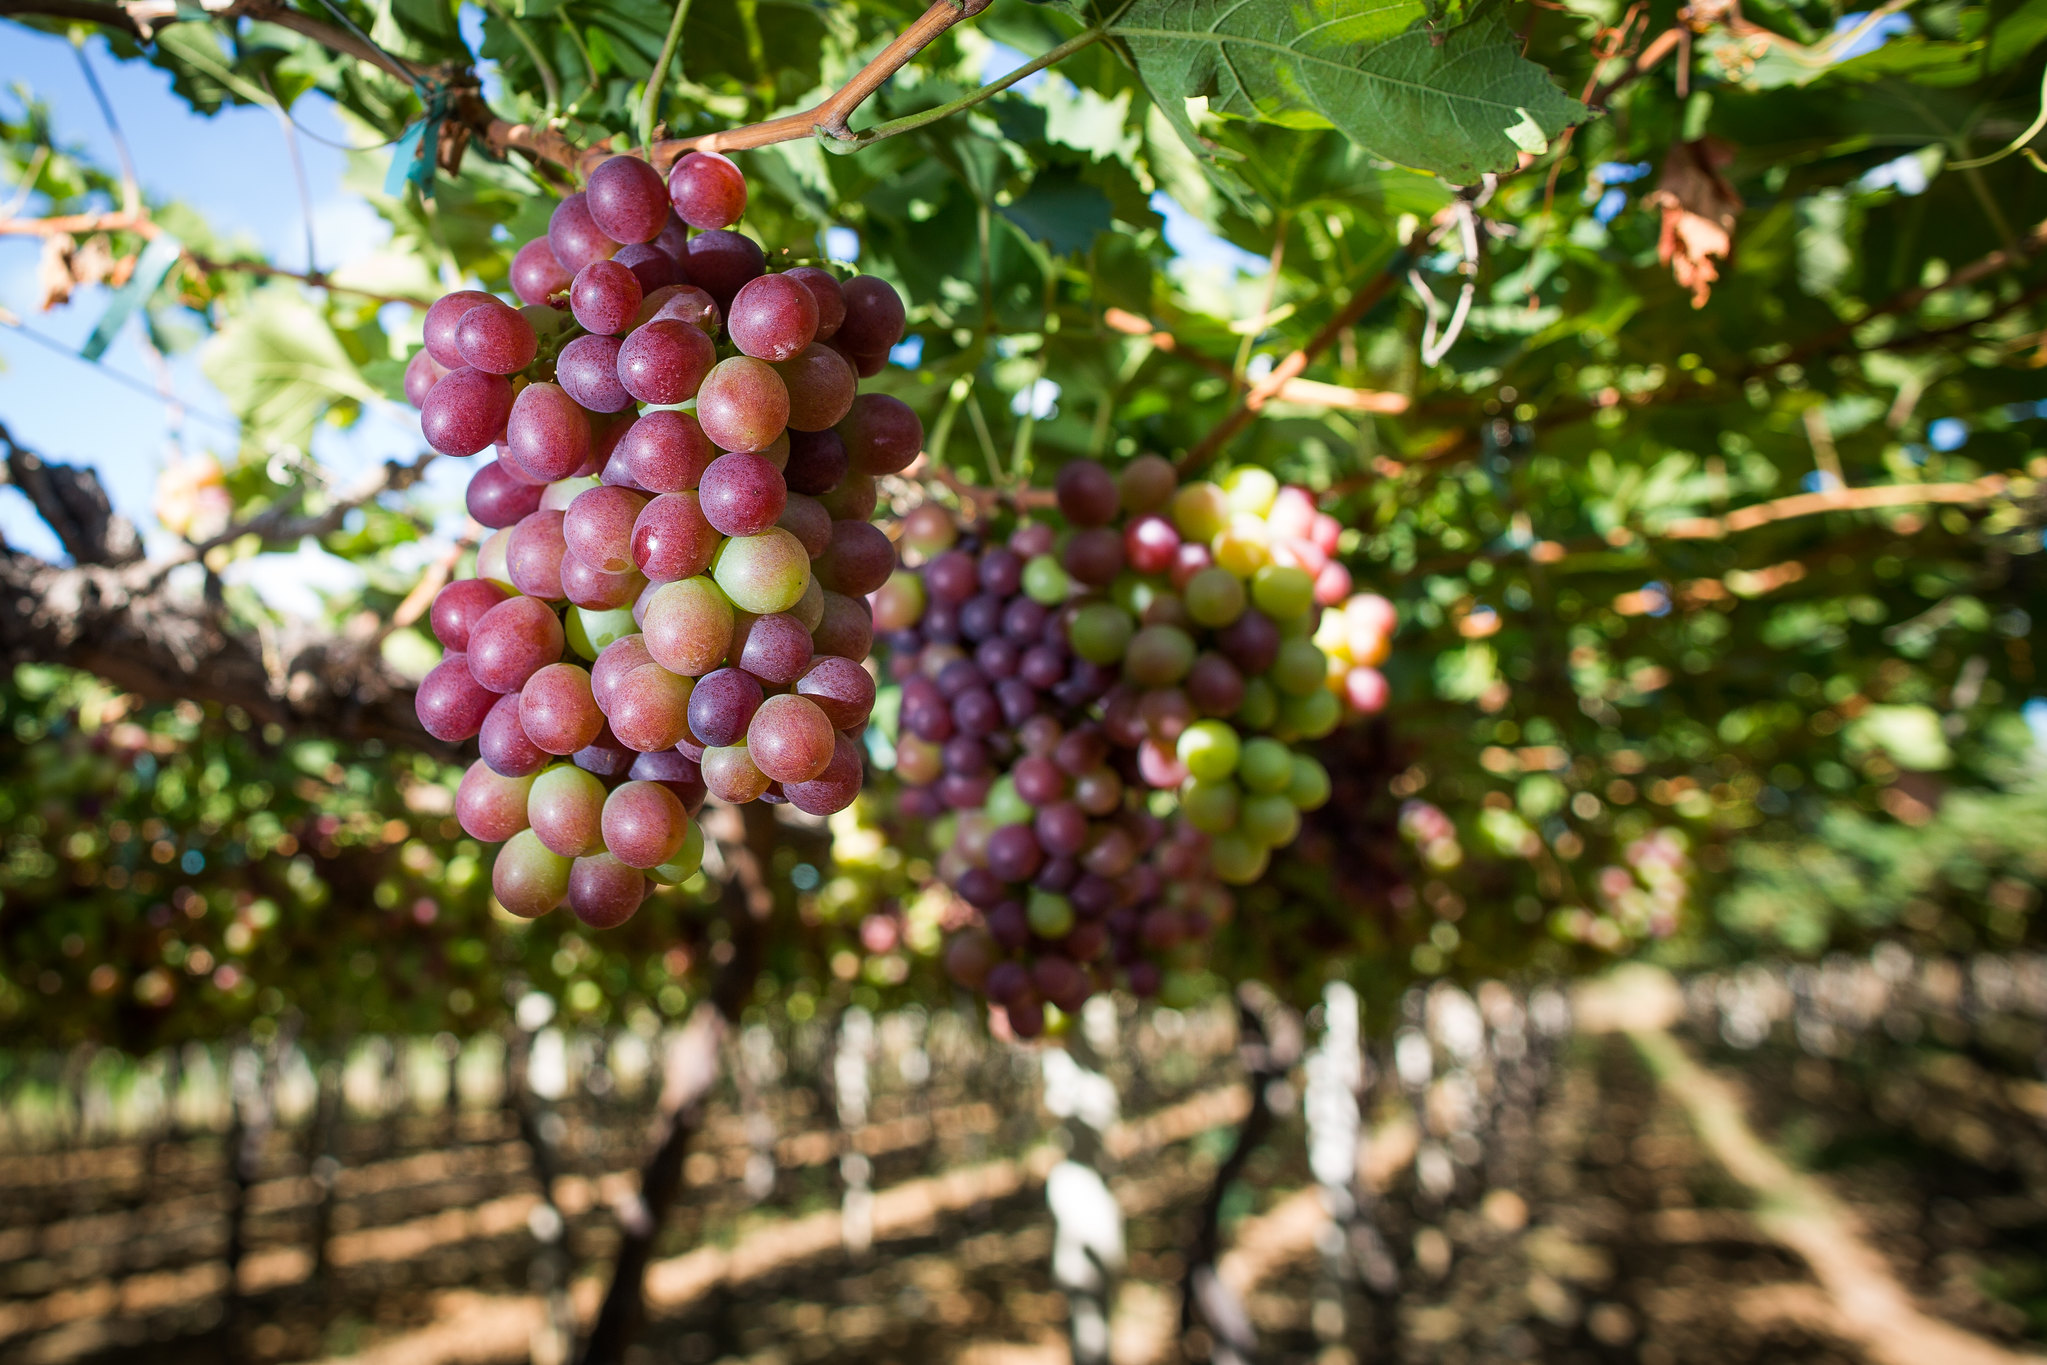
1100	721
671	602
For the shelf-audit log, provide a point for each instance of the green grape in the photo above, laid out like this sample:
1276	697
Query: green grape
945	830
1050	916
1159	656
1045	581
1210	749
685	863
1183	990
1100	632
1237	859
589	630
1266	765
1250	490
559	494
1005	806
490	559
1311	716
528	878
1282	591
1215	597
763	573
1260	707
1300	668
1270	819
1243	548
1308	788
1200	511
1210	807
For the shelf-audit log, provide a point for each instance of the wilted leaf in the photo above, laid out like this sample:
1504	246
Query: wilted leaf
1699	209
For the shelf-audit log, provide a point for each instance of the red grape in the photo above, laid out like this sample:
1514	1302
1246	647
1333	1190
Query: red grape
666	452
841	688
557	711
490	807
825	293
548	434
495	338
588	369
772	317
743	404
689	626
599	527
874	316
720	262
644	824
617	659
847	629
1087	494
790	739
776	648
422	372
566	810
603	892
649	708
450	703
836	787
707	190
466	410
597	590
528	878
536	275
534	554
497	497
672	539
443	322
806	519
457	607
881	434
503	741
626	199
722	706
731	776
687	303
574	236
665	361
859	559
512	641
742	495
654	268
821	386
604	298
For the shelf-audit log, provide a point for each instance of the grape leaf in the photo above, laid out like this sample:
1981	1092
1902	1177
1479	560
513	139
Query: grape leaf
1459	102
280	367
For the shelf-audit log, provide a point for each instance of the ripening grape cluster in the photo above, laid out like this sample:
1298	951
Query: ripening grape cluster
1101	722
671	602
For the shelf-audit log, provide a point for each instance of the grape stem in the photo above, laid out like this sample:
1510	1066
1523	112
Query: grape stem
650	104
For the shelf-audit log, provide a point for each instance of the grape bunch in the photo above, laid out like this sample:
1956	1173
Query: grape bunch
1100	722
671	602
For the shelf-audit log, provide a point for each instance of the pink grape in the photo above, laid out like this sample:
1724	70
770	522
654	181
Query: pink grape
1332	584
599	527
528	878
596	590
512	641
1366	690
627	200
772	317
644	824
604	297
450	703
536	275
557	711
603	892
534	555
847	629
466	410
722	706
762	573
565	808
1149	543
817	462
841	688
649	708
672	539
490	807
730	774
742	495
667	452
790	739
495	338
689	626
548	435
654	268
457	607
497	496
707	190
821	386
574	236
874	316
720	262
881	434
825	293
859	559
806	519
836	787
504	744
687	303
422	372
776	648
614	661
588	370
443	323
664	361
742	404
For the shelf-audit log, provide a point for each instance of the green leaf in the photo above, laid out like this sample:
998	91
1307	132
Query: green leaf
280	367
1061	210
1459	102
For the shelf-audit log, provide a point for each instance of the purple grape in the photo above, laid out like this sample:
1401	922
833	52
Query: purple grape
825	293
881	433
1023	621
776	649
806	519
495	338
1087	494
654	268
1094	556
817	461
465	411
442	325
1013	853
587	369
821	385
574	236
604	298
627	200
742	495
874	316
1251	642
722	706
1018	700
503	742
720	263
847	629
672	770
836	787
497	498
